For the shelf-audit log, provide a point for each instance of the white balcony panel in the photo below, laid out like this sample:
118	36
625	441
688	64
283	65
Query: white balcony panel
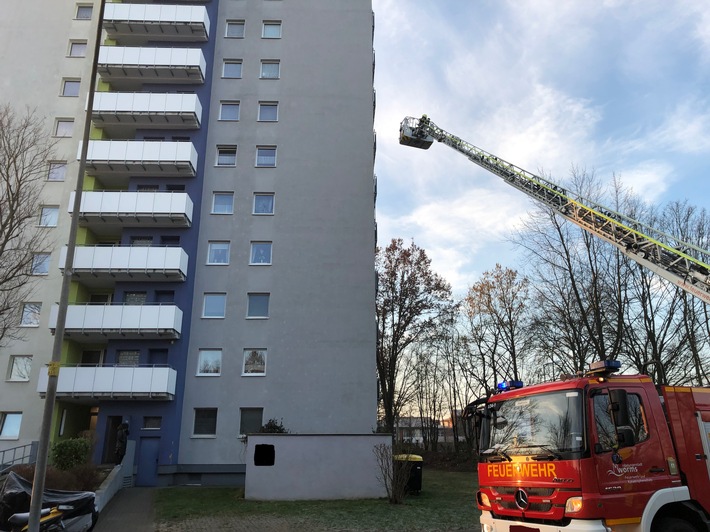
156	22
147	110
120	158
119	382
151	65
131	209
95	264
91	323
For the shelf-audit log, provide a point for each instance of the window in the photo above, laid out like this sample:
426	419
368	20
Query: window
606	432
266	156
235	29
10	425
250	420
271	29
84	12
128	357
232	69
263	203
64	127
209	362
152	422
141	241
258	306
135	298
205	422
70	87
260	253
77	49
40	264
226	156
218	253
19	369
270	69
268	111
165	296
254	362
57	171
48	216
229	111
214	305
223	203
30	314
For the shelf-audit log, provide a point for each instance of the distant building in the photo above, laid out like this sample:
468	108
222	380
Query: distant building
225	268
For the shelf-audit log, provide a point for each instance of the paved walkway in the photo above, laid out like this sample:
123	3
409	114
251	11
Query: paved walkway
131	509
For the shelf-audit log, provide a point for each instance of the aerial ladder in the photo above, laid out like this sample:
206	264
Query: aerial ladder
679	262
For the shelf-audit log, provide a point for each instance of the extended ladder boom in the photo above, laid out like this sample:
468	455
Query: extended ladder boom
679	262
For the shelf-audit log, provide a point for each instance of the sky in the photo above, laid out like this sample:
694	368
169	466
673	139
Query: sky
617	87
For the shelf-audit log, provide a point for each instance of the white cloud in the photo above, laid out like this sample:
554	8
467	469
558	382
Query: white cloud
648	179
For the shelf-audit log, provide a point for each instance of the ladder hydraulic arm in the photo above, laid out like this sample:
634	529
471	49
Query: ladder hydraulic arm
676	261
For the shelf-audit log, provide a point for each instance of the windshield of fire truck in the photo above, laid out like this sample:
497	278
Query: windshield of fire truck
546	423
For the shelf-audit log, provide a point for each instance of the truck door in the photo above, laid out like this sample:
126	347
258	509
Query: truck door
627	476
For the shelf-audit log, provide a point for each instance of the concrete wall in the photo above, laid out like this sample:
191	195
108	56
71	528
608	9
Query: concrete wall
315	466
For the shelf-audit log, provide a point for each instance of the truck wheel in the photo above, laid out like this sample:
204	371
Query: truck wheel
673	524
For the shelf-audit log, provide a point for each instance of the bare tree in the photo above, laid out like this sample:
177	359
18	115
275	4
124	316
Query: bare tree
410	297
25	149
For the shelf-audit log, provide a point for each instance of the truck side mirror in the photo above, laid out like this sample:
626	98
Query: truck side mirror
619	406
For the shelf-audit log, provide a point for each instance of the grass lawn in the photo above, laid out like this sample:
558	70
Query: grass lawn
447	502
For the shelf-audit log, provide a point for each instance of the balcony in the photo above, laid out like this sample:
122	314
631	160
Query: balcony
135	23
131	65
114	110
113	161
105	212
102	265
114	382
96	323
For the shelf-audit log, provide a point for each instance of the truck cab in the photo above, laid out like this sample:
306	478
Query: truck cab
590	452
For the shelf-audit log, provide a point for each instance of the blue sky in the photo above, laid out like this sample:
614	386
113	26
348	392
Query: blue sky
614	86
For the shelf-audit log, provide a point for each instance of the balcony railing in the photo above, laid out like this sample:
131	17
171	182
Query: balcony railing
131	209
92	323
147	110
116	159
133	22
151	65
115	382
97	265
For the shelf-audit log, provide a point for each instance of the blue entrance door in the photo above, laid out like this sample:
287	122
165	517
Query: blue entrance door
147	474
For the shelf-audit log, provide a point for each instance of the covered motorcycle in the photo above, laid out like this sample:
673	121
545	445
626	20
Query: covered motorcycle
79	510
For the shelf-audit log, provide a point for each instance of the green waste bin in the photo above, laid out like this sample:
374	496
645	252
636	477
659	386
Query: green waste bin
414	484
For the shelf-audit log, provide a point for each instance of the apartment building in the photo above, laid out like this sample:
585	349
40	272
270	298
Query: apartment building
224	270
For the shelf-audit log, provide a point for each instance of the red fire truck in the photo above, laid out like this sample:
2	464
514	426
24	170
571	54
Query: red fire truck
594	452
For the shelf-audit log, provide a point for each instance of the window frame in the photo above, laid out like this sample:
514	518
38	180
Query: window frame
247	352
81	52
27	312
3	424
253	250
11	369
206	351
69	82
210	257
235	23
62	123
266	62
212	423
44	219
255	302
47	258
242	411
224	194
264	195
265	105
271	24
225	151
261	156
79	7
227	62
205	297
226	103
57	168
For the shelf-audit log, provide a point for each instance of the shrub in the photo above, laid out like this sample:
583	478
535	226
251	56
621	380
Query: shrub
273	427
67	454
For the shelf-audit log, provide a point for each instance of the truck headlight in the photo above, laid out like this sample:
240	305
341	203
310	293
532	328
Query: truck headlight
484	500
488	528
573	505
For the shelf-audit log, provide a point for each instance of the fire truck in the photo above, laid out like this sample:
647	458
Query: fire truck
598	451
